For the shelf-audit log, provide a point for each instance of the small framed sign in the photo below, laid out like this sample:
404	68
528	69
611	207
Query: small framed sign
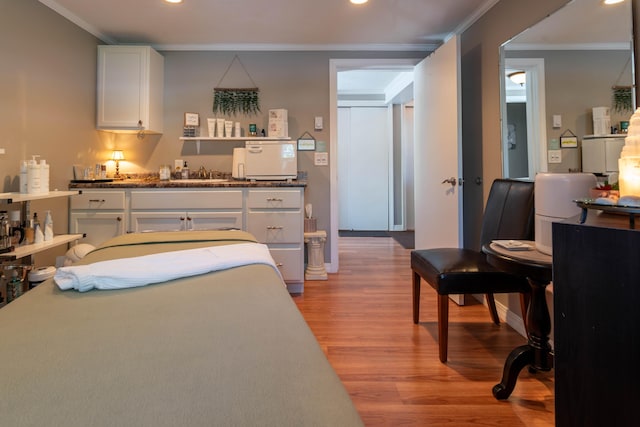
306	143
568	139
191	119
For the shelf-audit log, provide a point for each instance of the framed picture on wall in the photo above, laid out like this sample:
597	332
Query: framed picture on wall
568	140
191	119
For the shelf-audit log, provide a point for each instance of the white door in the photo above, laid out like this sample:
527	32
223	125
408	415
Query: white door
363	170
437	146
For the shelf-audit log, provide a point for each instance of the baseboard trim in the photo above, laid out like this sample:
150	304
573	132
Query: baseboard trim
506	315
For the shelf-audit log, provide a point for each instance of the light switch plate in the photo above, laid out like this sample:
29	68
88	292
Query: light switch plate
557	121
554	156
317	123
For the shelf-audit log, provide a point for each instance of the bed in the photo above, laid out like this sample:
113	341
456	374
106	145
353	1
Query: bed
227	348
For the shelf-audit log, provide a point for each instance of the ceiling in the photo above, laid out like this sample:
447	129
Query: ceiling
581	24
273	24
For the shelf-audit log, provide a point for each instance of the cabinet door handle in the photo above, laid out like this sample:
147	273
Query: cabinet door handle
273	199
96	200
119	219
181	218
274	227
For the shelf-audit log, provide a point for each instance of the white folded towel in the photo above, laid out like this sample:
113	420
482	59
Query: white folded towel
157	268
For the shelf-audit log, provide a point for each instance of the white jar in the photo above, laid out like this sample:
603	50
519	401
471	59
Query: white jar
165	172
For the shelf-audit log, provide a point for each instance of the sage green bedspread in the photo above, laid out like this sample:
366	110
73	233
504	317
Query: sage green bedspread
228	348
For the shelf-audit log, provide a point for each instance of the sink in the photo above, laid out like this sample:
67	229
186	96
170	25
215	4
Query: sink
199	181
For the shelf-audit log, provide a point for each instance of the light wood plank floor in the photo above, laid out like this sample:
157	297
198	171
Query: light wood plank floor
362	319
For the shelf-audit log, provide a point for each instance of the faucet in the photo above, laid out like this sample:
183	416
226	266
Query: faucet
202	173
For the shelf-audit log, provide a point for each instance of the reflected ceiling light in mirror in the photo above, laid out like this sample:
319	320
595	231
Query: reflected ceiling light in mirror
612	1
518	77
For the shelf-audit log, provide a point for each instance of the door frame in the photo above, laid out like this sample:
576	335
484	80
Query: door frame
536	114
336	65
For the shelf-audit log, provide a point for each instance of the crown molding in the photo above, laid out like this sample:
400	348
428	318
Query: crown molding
382	47
53	5
567	46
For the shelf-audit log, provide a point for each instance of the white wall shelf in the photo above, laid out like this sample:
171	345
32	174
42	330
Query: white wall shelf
234	138
25	197
34	248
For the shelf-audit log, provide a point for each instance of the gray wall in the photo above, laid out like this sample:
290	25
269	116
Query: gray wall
47	101
48	80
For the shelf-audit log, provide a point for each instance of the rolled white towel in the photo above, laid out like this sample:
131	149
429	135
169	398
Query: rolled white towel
157	268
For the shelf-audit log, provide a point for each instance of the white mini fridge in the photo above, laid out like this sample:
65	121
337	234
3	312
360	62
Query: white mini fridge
271	160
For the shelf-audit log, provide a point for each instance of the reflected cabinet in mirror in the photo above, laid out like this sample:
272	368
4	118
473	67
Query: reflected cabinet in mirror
575	60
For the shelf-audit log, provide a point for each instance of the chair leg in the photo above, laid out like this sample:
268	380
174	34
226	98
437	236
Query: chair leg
443	326
524	305
416	298
491	302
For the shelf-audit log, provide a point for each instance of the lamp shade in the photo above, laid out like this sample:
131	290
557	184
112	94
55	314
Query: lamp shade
117	155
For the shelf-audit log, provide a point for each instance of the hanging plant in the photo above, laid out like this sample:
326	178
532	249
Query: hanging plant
236	100
622	98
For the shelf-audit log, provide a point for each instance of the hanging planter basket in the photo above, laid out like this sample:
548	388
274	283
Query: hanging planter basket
622	98
231	101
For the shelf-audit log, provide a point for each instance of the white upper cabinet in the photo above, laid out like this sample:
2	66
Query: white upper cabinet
130	89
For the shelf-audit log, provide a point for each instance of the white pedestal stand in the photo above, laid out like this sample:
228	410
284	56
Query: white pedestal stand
315	255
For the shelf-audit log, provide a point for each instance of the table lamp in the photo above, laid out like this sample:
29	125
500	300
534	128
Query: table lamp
117	155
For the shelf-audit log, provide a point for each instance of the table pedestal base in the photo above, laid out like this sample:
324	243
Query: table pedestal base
537	352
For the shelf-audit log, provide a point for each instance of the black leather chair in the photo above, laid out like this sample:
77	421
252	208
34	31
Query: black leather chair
509	214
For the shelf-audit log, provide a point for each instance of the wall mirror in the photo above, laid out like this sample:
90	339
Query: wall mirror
569	63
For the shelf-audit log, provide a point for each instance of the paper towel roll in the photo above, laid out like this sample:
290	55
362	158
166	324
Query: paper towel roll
237	171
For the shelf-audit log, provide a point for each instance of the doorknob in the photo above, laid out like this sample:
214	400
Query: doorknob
451	181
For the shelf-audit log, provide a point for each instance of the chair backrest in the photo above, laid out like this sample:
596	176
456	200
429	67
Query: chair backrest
509	213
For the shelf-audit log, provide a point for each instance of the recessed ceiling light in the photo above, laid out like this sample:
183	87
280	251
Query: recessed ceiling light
358	1
173	1
612	1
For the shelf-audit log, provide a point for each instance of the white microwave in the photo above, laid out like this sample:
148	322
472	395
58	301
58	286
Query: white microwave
271	160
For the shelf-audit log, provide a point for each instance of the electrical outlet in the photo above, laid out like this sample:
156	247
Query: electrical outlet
554	156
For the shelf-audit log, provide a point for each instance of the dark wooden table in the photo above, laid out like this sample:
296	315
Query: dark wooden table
537	354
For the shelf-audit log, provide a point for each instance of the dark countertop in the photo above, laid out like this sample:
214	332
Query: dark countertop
191	183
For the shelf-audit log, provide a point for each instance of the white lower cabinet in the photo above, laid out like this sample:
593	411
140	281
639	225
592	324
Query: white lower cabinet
170	210
273	215
99	214
184	221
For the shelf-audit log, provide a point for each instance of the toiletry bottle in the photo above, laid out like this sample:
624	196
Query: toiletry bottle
24	183
29	232
44	176
38	235
48	227
14	286
185	171
33	176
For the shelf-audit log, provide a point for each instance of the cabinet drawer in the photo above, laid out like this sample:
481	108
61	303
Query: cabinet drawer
290	262
276	227
187	200
98	200
274	199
